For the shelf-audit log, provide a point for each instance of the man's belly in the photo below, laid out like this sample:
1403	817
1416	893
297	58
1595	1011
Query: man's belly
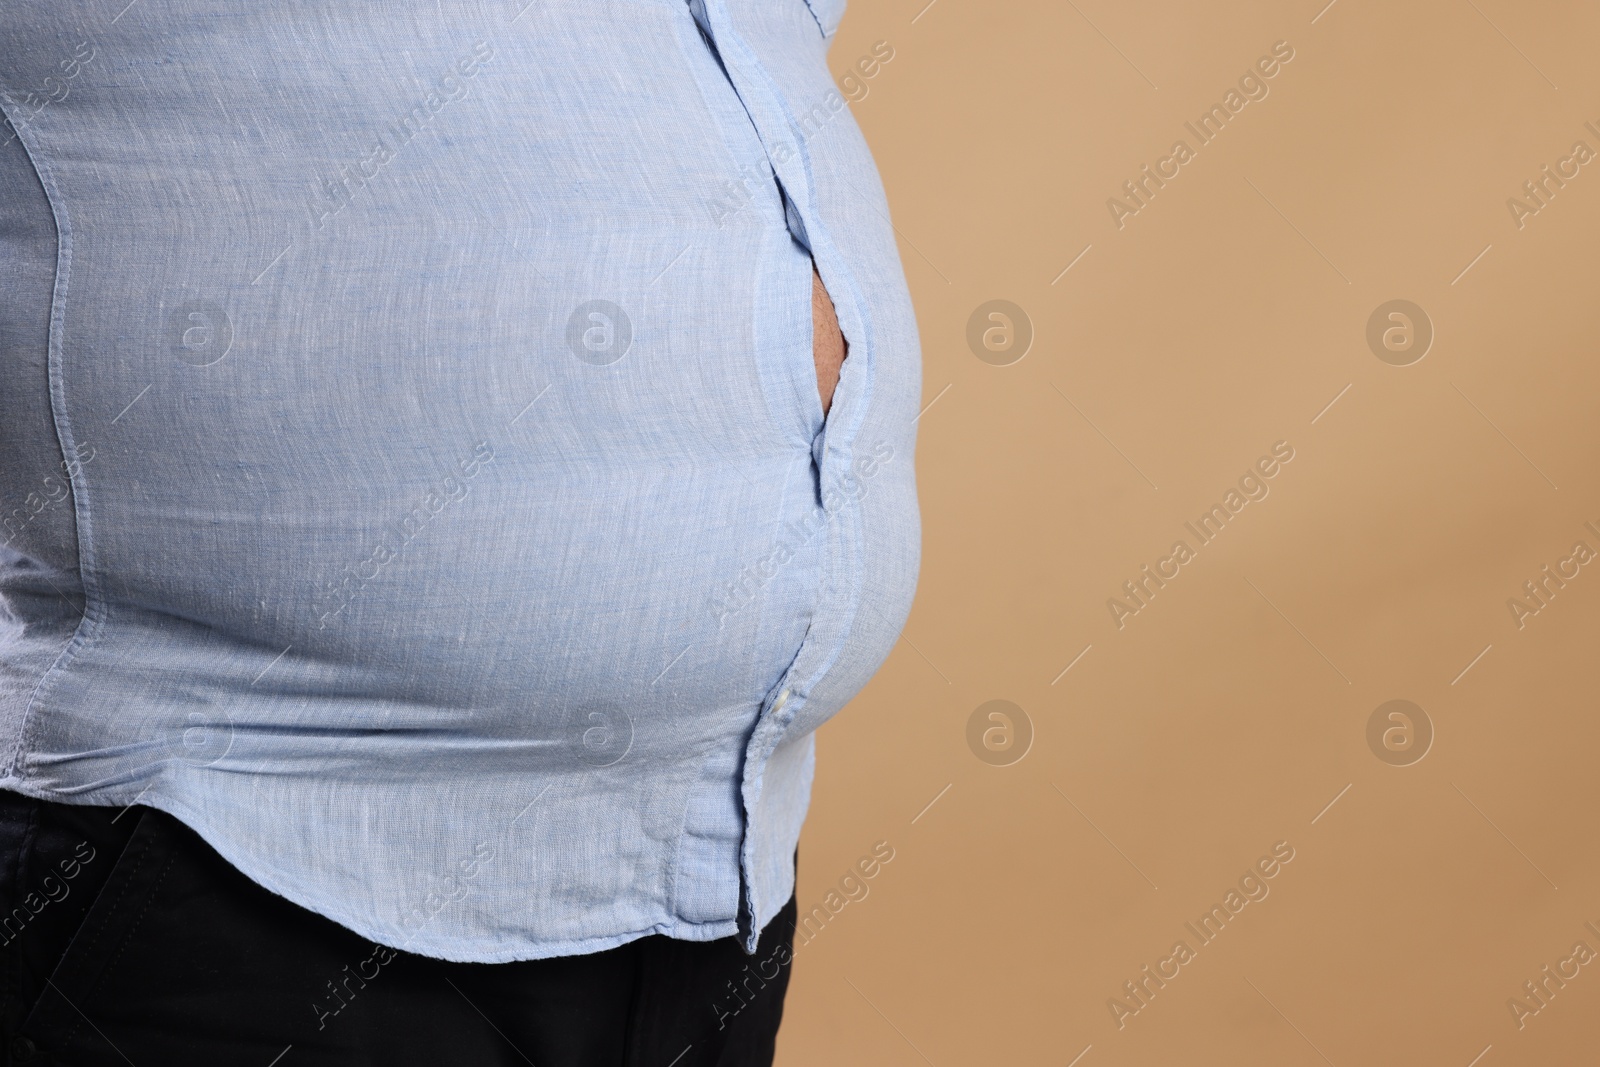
448	456
429	403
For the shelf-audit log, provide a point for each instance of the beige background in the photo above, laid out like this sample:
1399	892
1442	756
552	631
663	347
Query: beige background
1231	712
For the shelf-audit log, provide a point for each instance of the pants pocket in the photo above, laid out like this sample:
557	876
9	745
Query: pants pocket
105	874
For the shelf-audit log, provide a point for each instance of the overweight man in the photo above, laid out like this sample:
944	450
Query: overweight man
453	456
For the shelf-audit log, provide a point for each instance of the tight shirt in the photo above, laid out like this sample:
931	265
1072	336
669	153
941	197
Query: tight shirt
412	470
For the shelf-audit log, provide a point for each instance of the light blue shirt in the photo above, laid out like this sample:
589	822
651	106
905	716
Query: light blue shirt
412	468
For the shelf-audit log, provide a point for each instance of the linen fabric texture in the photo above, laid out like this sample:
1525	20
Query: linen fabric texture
413	472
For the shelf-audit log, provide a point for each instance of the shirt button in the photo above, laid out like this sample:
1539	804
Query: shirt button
783	698
23	1048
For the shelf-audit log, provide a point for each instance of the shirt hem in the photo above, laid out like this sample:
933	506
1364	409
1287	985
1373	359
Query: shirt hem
454	952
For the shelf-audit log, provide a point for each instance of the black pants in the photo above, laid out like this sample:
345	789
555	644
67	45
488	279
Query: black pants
124	938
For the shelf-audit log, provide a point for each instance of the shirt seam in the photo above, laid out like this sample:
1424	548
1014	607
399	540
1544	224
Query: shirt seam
90	621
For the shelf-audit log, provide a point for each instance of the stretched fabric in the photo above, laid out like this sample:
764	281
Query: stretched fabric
413	472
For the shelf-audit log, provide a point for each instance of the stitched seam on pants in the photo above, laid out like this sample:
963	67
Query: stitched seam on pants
137	922
127	937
